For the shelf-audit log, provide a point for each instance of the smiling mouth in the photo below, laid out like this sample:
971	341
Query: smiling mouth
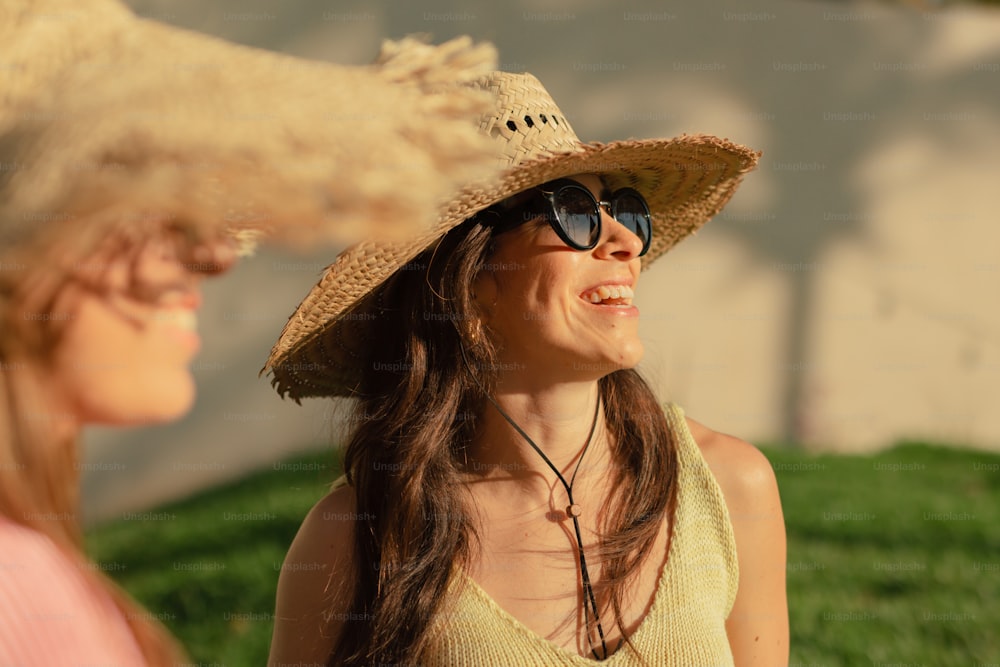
609	295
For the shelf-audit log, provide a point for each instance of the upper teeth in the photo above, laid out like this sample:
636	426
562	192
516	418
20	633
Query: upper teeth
605	292
183	318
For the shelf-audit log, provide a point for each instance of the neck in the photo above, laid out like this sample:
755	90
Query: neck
558	419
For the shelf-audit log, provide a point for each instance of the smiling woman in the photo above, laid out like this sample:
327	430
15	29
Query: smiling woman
124	172
568	515
97	330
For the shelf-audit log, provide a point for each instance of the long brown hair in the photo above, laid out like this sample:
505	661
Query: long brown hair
39	470
416	412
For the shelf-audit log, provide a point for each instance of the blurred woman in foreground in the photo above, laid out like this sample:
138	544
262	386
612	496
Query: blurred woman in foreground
125	172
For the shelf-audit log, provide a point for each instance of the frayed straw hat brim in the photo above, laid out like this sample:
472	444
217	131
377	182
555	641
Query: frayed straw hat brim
103	110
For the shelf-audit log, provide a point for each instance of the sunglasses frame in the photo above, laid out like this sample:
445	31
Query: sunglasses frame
549	193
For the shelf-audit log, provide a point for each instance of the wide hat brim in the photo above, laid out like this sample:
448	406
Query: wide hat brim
102	109
686	180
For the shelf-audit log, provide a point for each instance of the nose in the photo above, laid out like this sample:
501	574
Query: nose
617	241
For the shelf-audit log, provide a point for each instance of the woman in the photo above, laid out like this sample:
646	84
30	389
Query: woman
514	492
108	340
117	193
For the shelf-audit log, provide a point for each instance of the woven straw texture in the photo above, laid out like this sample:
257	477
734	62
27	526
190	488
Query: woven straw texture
685	625
100	107
686	180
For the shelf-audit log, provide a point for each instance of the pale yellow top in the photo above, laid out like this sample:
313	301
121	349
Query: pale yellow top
686	622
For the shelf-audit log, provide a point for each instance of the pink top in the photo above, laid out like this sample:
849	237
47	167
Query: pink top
49	614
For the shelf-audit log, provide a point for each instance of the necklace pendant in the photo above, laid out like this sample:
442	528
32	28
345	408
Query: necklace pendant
574	510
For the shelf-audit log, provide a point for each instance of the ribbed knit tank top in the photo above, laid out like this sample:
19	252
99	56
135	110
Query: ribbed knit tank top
685	625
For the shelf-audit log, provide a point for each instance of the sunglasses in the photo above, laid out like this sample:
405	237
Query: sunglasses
575	214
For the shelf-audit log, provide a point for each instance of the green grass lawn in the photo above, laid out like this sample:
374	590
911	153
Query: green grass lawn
893	559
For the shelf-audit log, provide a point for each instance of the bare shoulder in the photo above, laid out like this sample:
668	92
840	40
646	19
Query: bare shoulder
314	587
327	531
757	625
743	472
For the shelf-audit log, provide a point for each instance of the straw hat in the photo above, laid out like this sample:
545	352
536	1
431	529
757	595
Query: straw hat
101	108
686	180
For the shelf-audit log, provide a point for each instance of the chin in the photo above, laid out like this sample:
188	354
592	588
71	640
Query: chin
164	402
630	355
170	410
171	403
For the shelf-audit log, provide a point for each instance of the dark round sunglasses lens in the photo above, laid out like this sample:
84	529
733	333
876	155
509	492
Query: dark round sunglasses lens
576	213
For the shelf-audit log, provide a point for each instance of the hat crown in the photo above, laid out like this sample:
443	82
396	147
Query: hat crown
526	123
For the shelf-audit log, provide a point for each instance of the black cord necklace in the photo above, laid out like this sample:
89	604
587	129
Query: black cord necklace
573	511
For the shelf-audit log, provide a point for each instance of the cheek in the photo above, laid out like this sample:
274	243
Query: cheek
111	371
520	298
532	314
